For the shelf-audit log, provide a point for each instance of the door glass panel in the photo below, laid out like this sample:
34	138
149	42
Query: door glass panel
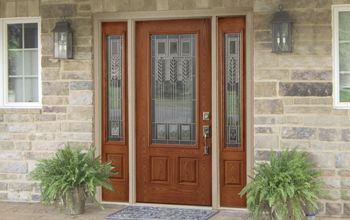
232	90
174	89
115	87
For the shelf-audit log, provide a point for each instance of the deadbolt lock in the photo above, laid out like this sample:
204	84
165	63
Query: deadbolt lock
206	116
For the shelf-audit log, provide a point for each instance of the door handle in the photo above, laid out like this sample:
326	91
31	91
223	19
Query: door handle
206	134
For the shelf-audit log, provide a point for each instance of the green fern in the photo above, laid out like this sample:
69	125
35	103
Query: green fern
69	169
284	187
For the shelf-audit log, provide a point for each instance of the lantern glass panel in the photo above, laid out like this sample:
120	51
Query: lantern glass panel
60	45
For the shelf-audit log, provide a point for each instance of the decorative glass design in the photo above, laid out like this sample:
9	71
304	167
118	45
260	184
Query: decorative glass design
174	89
22	46
232	90
115	87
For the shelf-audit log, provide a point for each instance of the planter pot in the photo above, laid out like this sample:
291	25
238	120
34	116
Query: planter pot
74	201
311	217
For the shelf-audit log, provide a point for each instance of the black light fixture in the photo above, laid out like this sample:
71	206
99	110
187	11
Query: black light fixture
281	32
63	40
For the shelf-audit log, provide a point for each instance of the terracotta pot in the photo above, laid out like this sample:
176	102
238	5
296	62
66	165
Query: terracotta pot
74	201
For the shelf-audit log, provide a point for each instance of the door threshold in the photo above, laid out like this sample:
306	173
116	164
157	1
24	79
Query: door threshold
156	205
174	206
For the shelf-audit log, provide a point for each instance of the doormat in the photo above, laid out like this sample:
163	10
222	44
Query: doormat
163	213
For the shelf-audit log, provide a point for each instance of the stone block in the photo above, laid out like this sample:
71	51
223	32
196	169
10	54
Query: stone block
3	186
202	3
18	118
54	109
48	61
21	128
294	61
55	88
13	167
333	208
47	145
262	155
332	195
266	141
298	133
265	89
80	97
48	127
58	10
347	209
215	3
343	160
311	75
42	136
81	85
3	195
262	21
268	106
21	8
271	74
23	145
33	8
6	145
85	7
162	5
265	6
345	135
10	9
323	160
77	75
10	155
80	113
292	143
325	134
45	117
55	100
20	186
305	89
263	130
38	155
263	36
264	120
76	127
36	197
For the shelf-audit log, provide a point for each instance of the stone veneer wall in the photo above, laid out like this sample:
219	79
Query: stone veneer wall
293	92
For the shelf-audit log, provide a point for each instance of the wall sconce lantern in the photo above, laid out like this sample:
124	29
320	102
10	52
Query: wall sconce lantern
63	40
281	32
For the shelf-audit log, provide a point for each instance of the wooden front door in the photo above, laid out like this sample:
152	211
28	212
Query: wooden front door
173	104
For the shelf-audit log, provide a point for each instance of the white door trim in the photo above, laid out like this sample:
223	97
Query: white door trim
131	18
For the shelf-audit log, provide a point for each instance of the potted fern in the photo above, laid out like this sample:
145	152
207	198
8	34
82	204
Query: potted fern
71	177
282	188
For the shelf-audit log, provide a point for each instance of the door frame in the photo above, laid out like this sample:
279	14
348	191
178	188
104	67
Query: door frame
131	18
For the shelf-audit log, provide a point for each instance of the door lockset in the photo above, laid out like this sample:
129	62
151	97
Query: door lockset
206	135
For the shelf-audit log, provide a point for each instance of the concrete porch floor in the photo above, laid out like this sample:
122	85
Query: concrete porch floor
36	211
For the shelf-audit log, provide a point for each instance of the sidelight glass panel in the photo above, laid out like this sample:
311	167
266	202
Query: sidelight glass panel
115	87
232	90
174	89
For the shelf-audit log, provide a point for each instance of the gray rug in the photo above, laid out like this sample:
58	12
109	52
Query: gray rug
157	213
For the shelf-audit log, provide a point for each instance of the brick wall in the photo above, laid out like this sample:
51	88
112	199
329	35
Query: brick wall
292	92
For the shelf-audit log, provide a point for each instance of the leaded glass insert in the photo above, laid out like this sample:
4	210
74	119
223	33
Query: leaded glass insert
174	89
232	90
115	87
